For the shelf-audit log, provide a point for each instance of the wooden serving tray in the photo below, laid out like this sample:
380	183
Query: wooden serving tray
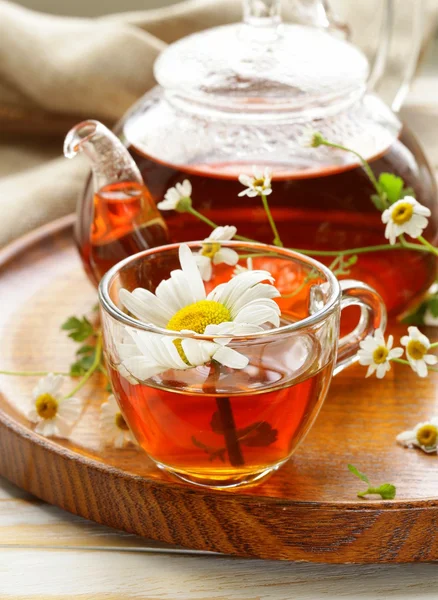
307	511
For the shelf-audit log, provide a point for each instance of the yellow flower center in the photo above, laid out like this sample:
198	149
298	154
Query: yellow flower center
402	213
427	435
210	249
416	349
46	406
259	182
380	355
120	422
197	316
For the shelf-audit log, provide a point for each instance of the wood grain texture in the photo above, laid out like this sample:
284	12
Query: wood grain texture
306	511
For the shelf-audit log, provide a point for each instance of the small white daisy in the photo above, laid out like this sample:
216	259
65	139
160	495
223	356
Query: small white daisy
213	253
240	306
239	269
405	216
423	435
178	197
257	185
417	345
309	138
113	426
376	354
54	416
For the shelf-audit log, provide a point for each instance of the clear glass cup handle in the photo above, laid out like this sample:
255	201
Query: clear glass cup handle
372	316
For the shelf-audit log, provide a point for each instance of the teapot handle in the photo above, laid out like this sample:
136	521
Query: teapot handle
381	58
319	14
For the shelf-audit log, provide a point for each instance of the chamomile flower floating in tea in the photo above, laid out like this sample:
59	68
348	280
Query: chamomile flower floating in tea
417	345
376	354
177	198
243	305
258	184
213	253
113	426
405	216
54	416
423	435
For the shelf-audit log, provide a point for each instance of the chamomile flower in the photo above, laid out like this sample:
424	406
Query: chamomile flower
240	306
113	426
423	435
213	253
405	216
417	345
54	417
310	138
177	198
376	354
258	184
239	269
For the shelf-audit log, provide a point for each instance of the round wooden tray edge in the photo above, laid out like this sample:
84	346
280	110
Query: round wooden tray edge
80	484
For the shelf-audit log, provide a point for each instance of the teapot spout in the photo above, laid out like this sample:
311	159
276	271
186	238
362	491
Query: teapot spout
109	159
117	217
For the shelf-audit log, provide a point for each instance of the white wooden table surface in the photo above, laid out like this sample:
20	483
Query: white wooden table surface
47	553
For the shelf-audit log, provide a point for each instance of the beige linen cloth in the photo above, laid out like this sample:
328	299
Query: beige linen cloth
56	71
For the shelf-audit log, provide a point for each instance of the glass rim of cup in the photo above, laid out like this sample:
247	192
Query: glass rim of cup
319	315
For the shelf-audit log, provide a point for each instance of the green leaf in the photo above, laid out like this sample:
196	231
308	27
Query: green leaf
417	316
379	202
392	186
387	491
81	366
356	472
79	329
432	304
86	349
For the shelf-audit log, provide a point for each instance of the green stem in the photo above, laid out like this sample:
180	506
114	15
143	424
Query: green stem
428	245
363	162
402	361
277	239
33	373
91	370
213	225
434	345
370	490
201	217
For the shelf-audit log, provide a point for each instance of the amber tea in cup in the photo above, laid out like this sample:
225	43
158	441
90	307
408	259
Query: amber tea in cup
218	426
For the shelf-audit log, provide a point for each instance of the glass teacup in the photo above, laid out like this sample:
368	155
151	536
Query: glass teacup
218	426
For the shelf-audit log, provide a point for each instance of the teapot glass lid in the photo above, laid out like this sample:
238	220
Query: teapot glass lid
264	65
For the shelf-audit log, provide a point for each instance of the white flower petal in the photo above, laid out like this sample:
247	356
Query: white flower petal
230	358
227	256
141	368
191	271
430	359
198	352
407	438
395	353
50	384
222	233
70	409
258	313
231	292
47	428
421	368
204	266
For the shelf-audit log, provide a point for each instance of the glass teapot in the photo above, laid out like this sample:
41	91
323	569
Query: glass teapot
244	94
